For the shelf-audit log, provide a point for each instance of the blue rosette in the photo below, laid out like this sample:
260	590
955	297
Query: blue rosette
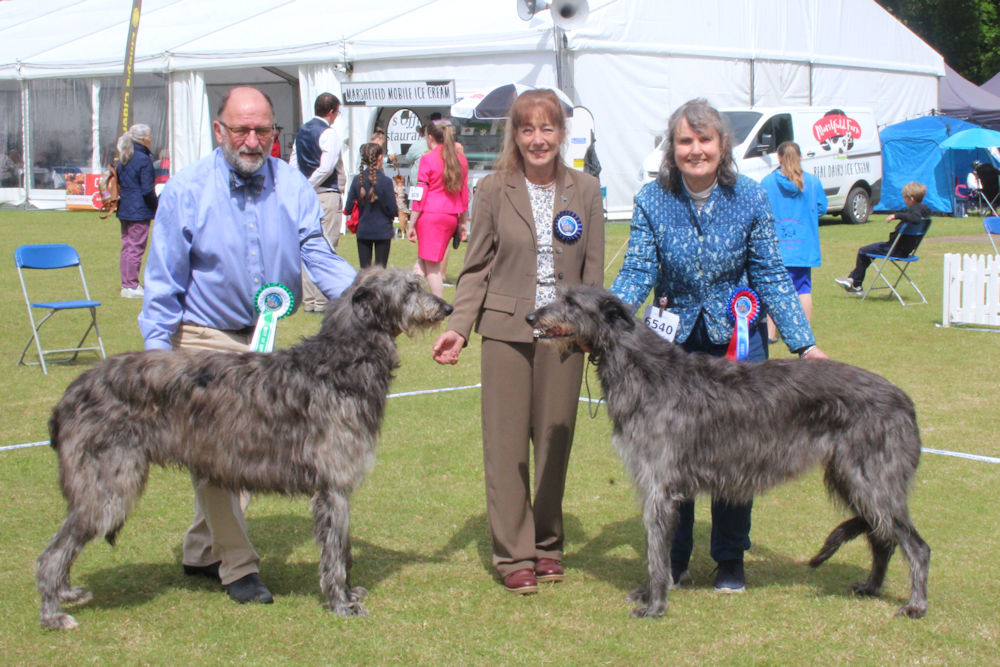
567	226
743	309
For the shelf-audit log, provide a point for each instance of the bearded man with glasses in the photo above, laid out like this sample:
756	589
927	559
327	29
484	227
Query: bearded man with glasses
225	227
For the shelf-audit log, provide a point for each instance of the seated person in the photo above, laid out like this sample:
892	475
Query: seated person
916	210
972	180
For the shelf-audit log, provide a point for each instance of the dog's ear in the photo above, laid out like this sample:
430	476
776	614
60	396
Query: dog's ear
615	312
363	301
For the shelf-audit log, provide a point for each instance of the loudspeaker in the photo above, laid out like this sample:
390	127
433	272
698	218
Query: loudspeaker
569	14
566	14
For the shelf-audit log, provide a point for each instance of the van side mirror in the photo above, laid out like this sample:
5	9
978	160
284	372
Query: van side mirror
764	145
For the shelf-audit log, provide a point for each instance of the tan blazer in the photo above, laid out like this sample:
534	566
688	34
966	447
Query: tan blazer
496	287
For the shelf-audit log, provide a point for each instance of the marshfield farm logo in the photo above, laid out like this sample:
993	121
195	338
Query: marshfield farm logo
836	132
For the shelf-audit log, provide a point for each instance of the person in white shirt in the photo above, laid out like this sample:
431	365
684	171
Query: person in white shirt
316	152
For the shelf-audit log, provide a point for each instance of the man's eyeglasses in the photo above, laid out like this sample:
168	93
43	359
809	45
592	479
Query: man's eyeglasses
263	133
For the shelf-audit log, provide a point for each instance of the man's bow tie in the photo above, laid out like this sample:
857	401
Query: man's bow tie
252	184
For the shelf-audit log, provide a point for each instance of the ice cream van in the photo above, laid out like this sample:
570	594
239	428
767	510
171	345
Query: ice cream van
839	145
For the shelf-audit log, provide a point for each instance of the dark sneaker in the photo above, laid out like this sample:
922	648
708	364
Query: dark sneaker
680	576
848	284
729	576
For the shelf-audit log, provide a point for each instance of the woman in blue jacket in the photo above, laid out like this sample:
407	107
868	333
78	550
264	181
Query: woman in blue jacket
376	199
698	232
137	206
797	201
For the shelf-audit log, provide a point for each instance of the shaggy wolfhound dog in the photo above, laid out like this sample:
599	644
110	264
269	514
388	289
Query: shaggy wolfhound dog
298	421
687	423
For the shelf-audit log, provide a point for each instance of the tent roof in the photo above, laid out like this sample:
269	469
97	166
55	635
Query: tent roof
993	85
961	98
87	37
930	128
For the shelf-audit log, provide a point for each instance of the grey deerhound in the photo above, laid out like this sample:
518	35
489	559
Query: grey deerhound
299	421
689	423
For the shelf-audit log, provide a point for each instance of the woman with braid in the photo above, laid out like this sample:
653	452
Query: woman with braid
443	203
373	192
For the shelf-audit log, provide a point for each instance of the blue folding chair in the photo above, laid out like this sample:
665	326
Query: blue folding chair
48	257
915	231
992	226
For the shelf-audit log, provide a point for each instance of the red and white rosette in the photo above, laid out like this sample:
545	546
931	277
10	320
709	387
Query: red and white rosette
744	306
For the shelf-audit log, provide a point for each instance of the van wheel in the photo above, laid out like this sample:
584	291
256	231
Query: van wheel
858	206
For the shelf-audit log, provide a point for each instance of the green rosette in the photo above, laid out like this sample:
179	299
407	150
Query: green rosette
273	301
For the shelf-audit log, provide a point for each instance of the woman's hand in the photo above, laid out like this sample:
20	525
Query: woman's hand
411	232
448	346
814	353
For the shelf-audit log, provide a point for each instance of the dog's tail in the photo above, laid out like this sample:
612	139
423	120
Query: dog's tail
842	534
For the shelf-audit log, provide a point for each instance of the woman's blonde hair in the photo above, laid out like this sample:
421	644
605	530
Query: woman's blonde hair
444	134
791	162
538	102
126	147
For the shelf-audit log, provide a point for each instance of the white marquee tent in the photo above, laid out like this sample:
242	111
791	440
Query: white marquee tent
630	64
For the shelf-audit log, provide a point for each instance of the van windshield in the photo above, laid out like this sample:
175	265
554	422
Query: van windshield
741	122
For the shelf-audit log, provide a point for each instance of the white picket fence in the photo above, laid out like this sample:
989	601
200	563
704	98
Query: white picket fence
971	290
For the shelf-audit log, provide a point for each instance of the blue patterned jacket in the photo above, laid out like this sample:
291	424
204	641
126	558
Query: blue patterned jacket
696	260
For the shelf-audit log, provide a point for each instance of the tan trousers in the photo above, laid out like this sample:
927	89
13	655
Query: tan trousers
218	531
529	394
312	298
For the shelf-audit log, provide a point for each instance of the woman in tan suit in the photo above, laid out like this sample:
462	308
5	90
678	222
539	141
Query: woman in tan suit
536	225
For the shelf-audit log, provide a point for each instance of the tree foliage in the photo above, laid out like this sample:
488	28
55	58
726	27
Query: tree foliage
965	32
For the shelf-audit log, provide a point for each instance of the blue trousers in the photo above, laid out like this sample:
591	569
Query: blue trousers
730	523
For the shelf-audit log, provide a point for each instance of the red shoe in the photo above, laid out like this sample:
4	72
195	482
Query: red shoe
521	582
549	569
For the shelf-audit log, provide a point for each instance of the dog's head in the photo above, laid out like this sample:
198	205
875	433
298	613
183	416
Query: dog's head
590	316
395	301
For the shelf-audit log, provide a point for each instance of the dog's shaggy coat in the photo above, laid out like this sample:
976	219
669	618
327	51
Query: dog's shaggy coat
689	423
302	420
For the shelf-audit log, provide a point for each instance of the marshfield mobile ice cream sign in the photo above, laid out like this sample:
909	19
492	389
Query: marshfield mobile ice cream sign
399	93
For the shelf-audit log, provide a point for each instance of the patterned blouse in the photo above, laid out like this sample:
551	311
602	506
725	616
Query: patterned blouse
697	259
542	206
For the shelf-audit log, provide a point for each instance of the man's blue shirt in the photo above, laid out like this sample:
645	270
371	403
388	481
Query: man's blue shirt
213	248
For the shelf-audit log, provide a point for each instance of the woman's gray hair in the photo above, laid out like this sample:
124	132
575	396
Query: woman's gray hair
137	132
701	116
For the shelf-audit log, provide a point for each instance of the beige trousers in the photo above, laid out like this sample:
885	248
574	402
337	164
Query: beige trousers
530	396
312	298
218	531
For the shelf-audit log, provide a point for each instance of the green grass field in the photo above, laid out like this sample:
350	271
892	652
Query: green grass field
421	545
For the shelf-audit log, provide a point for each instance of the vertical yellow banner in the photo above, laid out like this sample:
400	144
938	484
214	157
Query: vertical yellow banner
125	118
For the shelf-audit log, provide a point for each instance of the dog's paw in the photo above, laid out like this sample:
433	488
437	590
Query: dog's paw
649	610
357	594
349	609
864	589
58	621
640	594
912	611
75	595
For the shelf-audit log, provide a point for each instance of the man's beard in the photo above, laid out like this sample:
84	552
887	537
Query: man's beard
246	163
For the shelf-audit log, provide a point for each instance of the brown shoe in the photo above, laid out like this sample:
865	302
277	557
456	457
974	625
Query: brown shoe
521	582
549	569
